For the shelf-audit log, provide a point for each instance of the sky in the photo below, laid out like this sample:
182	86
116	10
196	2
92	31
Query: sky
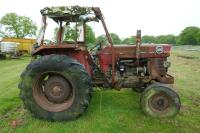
124	17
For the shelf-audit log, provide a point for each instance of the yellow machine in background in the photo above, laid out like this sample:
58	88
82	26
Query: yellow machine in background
24	45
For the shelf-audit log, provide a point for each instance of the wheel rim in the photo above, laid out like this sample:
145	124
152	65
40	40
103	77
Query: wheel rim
57	90
53	92
160	103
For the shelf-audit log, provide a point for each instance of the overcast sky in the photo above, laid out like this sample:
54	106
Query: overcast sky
124	17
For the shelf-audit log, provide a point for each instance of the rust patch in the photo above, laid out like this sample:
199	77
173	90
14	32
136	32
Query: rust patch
158	72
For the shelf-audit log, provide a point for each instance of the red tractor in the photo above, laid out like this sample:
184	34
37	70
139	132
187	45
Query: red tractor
57	84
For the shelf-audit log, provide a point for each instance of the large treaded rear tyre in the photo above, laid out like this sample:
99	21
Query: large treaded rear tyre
159	100
56	88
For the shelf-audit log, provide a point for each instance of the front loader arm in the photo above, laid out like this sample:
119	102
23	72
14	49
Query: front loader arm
99	14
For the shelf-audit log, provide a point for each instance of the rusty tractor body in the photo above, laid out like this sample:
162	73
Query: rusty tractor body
57	84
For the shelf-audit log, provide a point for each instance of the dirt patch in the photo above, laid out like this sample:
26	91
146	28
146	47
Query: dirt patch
195	100
187	57
16	123
185	110
170	121
10	112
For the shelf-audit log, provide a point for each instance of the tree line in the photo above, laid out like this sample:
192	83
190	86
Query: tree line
16	26
189	36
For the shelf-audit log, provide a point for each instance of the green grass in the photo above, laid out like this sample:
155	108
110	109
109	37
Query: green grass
110	110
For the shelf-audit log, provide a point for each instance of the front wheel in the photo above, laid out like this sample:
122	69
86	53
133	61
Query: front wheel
159	100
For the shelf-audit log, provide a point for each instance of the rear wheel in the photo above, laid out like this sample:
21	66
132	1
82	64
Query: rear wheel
159	100
55	94
55	87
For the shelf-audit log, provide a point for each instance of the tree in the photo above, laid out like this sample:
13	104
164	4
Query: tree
90	35
129	40
170	39
71	35
1	30
198	38
148	39
17	26
126	41
115	38
102	39
189	36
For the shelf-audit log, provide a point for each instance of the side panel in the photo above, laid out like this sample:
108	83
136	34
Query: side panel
105	61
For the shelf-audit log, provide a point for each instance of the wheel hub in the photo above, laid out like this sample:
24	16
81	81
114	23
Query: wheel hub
54	93
57	90
160	102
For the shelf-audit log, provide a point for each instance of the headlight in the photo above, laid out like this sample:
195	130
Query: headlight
167	64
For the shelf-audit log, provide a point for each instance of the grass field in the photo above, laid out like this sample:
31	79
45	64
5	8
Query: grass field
110	111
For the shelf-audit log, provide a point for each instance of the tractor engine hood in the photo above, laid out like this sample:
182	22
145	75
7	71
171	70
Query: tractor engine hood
146	51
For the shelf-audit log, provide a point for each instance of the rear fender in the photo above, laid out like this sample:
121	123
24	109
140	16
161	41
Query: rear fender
81	55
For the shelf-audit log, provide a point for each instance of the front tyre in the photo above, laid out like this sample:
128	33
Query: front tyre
159	100
56	88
